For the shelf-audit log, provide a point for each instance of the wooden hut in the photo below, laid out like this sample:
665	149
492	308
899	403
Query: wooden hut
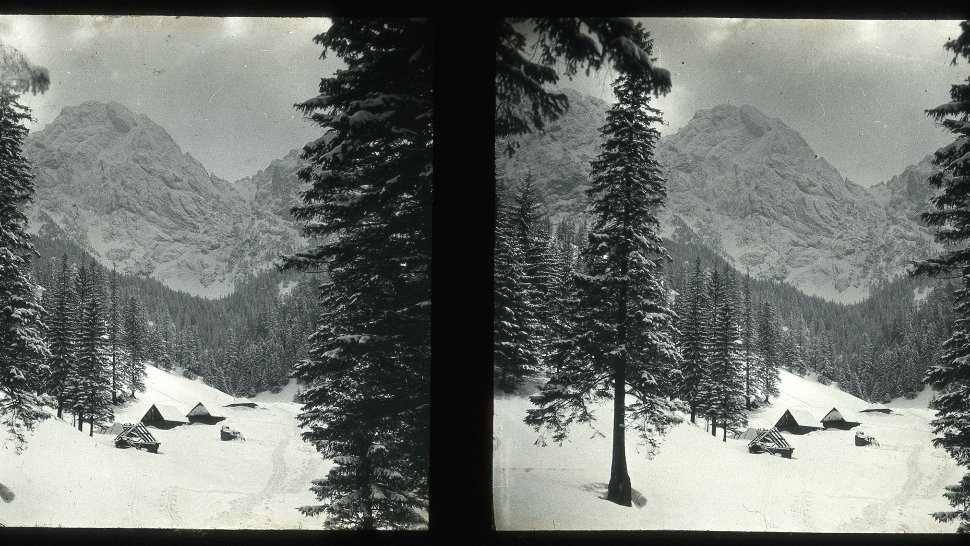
771	441
797	421
163	416
137	436
200	414
835	419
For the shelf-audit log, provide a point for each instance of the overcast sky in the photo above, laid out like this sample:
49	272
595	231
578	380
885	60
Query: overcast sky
222	87
856	90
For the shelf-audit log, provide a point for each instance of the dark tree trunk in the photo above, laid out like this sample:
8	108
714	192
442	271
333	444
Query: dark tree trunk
725	434
91	422
713	427
693	411
747	383
60	410
80	421
620	489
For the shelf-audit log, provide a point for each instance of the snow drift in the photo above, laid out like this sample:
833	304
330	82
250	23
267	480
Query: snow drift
698	482
66	478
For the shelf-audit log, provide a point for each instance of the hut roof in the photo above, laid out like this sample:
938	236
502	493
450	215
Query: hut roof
198	411
168	413
801	417
833	415
877	407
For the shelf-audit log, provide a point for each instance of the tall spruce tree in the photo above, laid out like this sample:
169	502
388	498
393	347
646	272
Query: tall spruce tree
114	338
24	353
622	343
725	388
694	338
951	374
768	378
61	336
747	341
514	349
134	342
367	395
93	398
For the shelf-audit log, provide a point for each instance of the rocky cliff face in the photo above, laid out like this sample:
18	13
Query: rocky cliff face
751	188
118	184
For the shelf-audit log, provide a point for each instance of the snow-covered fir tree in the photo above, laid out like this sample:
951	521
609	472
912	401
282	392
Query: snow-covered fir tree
768	374
92	379
951	375
622	343
367	395
694	341
532	239
723	387
747	342
61	337
24	355
516	353
134	344
114	339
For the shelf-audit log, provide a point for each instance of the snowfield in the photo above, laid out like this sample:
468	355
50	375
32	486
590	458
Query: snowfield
66	478
698	482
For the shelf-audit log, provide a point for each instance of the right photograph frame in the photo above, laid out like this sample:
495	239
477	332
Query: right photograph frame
732	275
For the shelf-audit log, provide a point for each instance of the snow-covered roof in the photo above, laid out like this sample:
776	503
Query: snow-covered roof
198	411
169	413
833	415
876	406
803	417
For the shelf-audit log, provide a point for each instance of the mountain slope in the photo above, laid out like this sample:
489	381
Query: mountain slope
829	485
120	186
752	189
195	480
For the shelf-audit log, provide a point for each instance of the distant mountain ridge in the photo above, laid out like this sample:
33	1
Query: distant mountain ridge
119	185
752	189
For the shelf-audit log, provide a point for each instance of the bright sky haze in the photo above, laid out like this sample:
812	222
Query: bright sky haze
223	87
855	90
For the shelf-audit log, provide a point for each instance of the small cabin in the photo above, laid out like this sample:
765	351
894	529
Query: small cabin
163	416
200	414
835	419
797	421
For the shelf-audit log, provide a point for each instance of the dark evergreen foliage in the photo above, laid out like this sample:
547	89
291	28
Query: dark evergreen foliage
951	218
367	395
24	355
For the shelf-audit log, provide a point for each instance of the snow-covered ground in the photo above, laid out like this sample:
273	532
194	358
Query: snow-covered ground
698	482
66	478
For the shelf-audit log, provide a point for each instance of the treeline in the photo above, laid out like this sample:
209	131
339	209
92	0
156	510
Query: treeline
878	349
243	343
96	341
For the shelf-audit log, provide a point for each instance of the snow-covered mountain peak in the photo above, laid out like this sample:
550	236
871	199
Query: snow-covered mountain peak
117	183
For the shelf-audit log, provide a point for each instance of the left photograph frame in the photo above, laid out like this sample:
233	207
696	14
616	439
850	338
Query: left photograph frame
215	272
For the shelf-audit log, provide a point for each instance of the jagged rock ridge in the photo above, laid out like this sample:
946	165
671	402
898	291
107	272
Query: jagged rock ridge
119	185
751	188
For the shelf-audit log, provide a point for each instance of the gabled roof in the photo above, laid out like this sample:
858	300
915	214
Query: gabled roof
802	417
198	411
168	413
833	415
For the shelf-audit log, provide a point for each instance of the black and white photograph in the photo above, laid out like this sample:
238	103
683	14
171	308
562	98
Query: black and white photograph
732	275
215	272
